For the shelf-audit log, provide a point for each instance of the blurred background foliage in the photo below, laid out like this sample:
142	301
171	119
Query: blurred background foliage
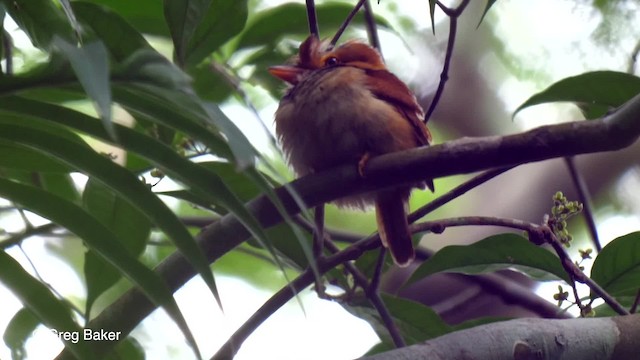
177	93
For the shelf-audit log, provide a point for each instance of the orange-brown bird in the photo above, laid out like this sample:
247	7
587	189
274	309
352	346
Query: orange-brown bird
344	107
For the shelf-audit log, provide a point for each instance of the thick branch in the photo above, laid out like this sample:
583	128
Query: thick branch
466	155
603	338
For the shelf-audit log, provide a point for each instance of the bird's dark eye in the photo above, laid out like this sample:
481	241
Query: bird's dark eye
331	61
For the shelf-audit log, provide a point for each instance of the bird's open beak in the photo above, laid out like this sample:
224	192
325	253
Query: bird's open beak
290	74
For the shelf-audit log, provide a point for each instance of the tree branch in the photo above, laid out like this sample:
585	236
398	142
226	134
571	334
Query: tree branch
444	75
602	338
585	199
466	155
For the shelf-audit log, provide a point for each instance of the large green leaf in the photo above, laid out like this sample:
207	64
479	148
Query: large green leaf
37	298
130	227
183	17
119	36
120	180
210	84
19	158
71	17
144	15
238	182
19	330
203	182
91	67
417	323
98	238
617	266
486	10
129	349
59	184
143	104
222	20
199	27
596	93
243	150
504	251
41	20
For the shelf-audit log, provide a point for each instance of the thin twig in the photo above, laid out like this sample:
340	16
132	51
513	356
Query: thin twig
377	272
335	234
636	301
439	226
346	23
372	28
574	271
312	18
631	68
34	231
456	192
543	232
372	293
318	244
48	285
7	47
285	294
318	231
585	199
576	296
444	75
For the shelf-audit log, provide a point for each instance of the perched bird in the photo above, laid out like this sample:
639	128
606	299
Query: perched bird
344	107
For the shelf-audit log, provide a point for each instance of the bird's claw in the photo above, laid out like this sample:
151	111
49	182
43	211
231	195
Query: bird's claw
362	163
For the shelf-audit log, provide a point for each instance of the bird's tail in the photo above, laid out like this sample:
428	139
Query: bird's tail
391	214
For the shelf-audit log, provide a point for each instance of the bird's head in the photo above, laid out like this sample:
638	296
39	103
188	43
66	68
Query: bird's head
315	55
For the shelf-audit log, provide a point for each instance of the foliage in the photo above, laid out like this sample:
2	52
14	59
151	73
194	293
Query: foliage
101	52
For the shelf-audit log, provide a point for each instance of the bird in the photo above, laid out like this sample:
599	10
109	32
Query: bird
343	106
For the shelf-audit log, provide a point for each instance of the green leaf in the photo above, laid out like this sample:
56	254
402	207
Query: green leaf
617	266
243	187
158	106
486	10
19	158
223	20
596	93
203	182
145	15
209	84
604	310
417	323
183	16
117	34
504	251
468	324
19	330
199	27
59	184
41	20
123	182
148	67
129	349
243	150
71	17
98	238
91	66
36	296
131	227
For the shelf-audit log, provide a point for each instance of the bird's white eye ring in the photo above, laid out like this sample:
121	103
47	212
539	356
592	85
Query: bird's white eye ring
331	61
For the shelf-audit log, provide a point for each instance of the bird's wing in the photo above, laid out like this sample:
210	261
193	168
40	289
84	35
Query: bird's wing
386	86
